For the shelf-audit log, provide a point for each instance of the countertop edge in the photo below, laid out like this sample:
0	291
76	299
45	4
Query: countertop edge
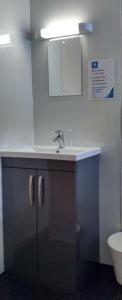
39	155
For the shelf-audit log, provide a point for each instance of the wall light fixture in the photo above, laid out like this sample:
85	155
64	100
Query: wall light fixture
65	29
5	40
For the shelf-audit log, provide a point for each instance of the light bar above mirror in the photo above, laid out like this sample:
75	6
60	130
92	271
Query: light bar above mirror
66	29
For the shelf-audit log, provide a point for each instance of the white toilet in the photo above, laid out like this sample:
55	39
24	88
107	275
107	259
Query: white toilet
115	244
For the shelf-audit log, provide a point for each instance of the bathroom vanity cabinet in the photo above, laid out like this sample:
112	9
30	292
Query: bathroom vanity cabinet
51	219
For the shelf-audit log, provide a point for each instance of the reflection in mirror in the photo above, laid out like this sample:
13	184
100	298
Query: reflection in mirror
64	65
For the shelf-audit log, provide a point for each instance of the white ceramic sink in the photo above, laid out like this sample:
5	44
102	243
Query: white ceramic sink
56	150
68	153
48	152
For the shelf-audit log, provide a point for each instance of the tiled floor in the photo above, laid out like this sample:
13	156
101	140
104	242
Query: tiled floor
104	287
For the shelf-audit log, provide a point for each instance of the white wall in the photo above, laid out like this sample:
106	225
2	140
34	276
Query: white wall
16	103
92	123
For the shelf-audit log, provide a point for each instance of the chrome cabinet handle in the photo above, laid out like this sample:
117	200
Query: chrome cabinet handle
40	191
30	190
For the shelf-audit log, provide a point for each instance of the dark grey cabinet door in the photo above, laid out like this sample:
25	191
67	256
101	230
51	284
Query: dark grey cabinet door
56	228
19	211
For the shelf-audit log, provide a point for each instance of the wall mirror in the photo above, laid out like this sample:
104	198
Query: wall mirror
64	66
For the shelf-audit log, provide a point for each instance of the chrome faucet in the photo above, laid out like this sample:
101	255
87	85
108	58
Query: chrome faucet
59	138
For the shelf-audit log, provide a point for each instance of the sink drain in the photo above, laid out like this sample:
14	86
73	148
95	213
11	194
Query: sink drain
57	151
